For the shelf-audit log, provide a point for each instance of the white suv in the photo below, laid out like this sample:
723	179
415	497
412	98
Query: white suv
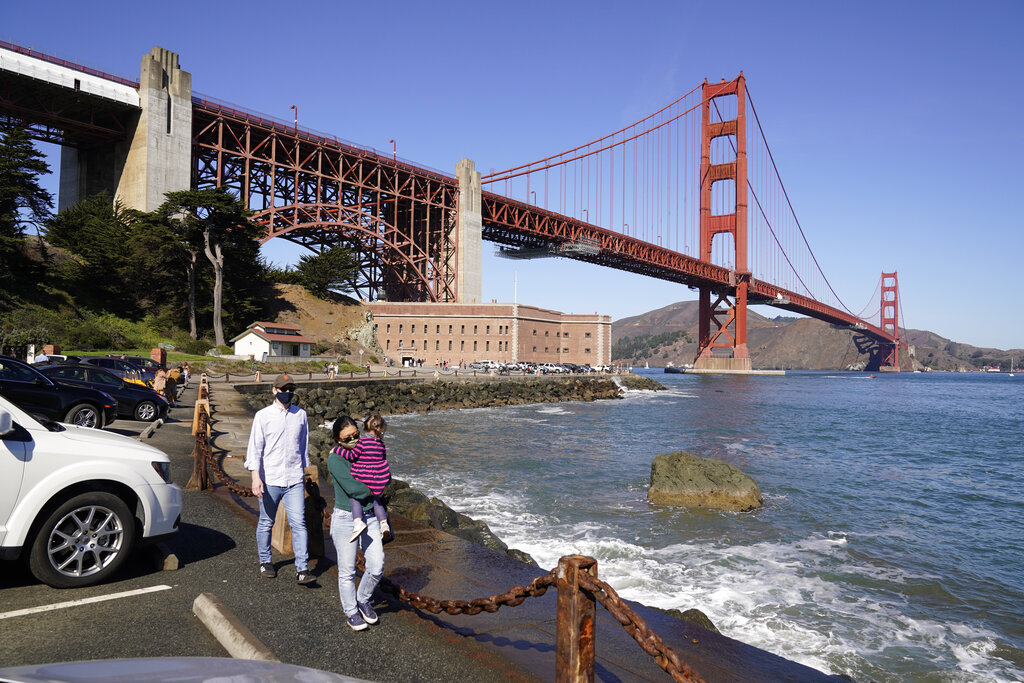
74	502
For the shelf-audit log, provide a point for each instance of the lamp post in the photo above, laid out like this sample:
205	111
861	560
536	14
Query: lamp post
534	193
296	117
394	150
626	227
587	214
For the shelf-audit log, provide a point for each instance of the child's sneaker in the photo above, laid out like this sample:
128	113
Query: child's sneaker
356	622
358	527
385	528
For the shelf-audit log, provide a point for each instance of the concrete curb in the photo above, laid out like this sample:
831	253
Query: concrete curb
236	638
148	431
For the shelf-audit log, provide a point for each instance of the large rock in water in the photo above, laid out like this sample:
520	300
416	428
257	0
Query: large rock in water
683	479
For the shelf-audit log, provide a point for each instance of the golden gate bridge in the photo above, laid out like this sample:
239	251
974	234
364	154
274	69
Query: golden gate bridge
690	194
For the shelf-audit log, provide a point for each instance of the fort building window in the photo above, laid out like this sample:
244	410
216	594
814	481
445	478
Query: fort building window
558	334
488	329
437	345
463	329
586	350
587	335
449	329
474	329
565	334
389	328
449	344
474	345
546	332
399	331
487	346
387	345
439	329
424	344
535	333
534	348
412	329
462	346
545	349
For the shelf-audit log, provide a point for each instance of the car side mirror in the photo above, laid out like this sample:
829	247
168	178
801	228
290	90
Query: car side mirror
6	424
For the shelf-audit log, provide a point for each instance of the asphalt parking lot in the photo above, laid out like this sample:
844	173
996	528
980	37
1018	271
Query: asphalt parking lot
146	612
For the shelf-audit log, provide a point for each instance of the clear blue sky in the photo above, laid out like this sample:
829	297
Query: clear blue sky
895	124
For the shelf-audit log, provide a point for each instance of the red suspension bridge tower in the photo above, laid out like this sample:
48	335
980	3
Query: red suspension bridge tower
723	323
890	317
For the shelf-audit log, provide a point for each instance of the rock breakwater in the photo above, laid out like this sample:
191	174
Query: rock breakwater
324	401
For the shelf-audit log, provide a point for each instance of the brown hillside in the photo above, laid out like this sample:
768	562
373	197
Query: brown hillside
344	325
804	344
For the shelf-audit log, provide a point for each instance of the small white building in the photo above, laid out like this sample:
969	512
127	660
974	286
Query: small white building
263	341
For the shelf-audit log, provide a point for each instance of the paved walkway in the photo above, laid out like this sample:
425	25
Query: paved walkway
439	565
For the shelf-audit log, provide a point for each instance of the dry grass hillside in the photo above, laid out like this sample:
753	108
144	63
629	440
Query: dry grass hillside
345	325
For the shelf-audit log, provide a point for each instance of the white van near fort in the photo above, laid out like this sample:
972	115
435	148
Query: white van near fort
74	502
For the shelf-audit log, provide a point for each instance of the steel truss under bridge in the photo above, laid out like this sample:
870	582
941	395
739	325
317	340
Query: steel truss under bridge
315	191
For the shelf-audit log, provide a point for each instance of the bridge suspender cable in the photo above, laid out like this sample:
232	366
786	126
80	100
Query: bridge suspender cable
792	211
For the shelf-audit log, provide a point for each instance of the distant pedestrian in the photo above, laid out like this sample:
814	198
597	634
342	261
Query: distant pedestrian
355	604
171	387
277	456
160	381
41	358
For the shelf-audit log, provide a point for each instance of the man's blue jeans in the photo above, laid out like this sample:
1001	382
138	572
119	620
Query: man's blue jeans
373	553
294	499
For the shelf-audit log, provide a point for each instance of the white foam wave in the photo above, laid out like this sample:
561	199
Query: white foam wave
779	596
552	410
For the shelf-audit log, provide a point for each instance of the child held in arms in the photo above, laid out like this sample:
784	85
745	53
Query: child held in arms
370	466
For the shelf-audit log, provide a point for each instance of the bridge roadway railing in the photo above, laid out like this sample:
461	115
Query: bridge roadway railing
575	578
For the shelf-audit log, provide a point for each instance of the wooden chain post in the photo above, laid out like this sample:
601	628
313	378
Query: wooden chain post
574	644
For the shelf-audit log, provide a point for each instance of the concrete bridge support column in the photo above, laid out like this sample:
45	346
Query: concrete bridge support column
469	241
159	159
155	157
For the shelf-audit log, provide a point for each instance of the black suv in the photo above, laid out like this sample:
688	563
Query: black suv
37	394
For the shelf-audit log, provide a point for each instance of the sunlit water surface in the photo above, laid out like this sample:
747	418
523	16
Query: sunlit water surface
890	546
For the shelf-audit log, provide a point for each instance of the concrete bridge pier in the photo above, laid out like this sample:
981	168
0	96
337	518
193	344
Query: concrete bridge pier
469	240
156	156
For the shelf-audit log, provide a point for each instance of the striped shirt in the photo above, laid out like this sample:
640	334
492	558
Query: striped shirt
369	463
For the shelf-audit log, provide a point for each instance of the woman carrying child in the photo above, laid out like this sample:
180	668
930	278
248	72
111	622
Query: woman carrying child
355	604
370	466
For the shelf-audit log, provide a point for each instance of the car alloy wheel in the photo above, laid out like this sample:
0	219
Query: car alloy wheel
84	416
83	541
146	411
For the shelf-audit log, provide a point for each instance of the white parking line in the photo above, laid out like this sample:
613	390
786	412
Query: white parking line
83	601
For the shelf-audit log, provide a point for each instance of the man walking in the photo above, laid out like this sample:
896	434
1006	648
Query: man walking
277	455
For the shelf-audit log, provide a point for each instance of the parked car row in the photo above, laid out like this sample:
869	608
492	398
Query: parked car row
534	368
82	394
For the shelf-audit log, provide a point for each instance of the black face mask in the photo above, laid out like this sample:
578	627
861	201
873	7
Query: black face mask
285	397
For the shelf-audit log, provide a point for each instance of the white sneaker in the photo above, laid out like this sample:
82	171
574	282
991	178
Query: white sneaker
385	528
358	527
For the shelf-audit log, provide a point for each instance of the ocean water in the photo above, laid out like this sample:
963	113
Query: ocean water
890	546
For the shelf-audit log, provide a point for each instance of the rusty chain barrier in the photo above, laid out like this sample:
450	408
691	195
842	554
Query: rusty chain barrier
649	641
575	578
